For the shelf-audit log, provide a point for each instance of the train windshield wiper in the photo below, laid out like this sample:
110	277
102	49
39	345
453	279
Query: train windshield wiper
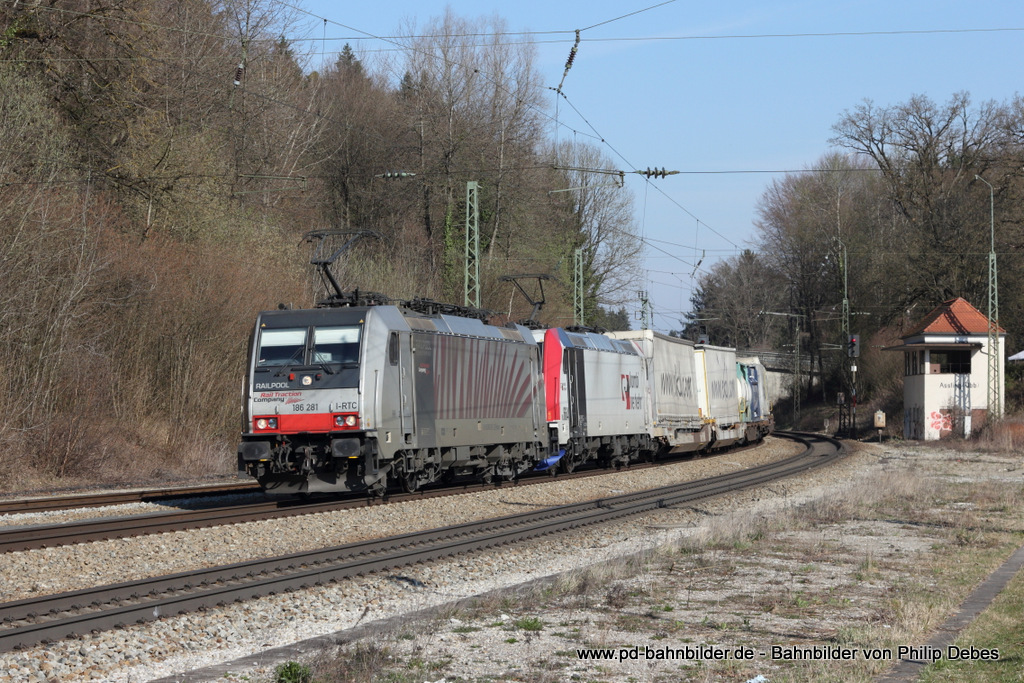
293	359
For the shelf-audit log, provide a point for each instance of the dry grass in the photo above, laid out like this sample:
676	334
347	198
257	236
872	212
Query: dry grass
878	565
146	362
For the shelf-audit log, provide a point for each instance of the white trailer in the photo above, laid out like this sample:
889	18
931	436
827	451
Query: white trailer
717	397
676	420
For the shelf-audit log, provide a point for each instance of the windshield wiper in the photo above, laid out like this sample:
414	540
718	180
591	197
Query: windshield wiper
287	364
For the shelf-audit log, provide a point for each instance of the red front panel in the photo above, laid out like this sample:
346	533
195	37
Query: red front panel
553	351
301	422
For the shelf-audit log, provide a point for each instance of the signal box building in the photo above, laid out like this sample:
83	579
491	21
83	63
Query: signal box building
945	372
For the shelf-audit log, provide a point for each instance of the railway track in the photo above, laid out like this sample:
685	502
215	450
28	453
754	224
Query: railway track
17	506
31	621
69	533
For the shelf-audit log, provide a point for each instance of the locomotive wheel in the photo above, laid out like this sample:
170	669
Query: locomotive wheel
410	483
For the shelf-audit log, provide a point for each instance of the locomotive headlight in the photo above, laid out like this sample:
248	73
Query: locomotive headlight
345	421
266	423
261	423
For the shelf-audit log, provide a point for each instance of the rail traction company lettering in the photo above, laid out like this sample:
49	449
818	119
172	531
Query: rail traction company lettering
816	653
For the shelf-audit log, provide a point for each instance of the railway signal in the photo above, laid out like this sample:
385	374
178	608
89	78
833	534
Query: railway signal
853	346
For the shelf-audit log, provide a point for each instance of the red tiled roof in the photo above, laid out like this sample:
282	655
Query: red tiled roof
955	316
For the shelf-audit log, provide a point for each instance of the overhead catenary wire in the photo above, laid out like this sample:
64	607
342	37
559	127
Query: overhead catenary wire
393	40
349	39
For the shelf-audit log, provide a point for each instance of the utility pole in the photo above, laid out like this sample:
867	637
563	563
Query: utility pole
853	351
799	374
852	341
844	266
994	394
645	310
577	287
472	279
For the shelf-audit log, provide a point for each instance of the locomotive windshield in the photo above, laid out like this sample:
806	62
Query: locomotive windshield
336	344
290	346
281	347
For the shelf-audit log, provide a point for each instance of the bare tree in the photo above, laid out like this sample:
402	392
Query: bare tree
600	215
731	301
929	156
816	230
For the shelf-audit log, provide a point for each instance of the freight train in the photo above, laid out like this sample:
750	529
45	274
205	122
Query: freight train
360	397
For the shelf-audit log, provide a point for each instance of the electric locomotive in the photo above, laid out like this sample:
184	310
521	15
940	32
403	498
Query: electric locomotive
348	398
596	397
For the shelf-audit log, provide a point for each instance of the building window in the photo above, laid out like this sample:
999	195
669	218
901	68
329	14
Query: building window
951	362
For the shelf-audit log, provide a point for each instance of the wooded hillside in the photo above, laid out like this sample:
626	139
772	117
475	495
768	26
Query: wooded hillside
161	164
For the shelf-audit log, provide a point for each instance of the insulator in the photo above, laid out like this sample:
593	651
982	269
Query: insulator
238	75
572	56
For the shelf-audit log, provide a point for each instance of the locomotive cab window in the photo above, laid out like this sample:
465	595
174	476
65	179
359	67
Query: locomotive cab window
336	344
281	347
393	348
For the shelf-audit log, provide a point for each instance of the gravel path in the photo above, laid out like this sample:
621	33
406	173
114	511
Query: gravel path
148	651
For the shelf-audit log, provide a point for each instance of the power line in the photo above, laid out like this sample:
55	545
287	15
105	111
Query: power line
570	32
624	16
648	180
393	40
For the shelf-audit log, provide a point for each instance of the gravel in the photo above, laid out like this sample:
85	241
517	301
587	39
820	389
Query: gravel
179	644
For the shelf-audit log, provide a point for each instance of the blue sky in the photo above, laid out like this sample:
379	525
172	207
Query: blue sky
718	90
